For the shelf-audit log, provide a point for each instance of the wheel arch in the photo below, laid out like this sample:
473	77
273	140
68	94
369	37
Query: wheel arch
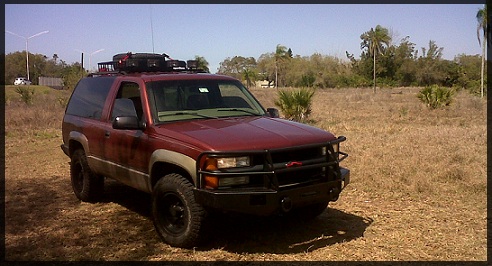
77	141
164	162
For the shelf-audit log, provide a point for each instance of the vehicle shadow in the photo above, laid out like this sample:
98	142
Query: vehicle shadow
284	235
251	234
128	197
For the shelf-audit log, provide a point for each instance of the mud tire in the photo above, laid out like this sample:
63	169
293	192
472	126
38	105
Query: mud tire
178	219
86	185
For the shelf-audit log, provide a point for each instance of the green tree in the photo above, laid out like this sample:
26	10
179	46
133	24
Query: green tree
71	75
405	55
235	66
202	63
375	40
15	66
430	66
484	26
469	72
266	68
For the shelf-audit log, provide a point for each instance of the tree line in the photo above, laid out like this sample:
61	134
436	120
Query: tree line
382	63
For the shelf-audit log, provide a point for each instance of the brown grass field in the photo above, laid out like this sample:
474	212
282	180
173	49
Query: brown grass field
417	192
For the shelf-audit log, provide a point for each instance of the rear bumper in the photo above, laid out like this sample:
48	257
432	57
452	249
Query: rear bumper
268	202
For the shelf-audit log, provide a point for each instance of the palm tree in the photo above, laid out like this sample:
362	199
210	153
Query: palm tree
375	41
482	25
55	57
281	53
249	75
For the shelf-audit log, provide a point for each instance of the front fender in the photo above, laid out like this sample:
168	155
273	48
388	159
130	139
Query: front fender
171	157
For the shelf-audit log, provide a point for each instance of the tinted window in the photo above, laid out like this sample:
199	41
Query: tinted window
130	91
89	96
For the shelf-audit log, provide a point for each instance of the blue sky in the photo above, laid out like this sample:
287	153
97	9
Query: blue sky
220	31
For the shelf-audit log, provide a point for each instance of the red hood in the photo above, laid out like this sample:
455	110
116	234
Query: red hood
244	133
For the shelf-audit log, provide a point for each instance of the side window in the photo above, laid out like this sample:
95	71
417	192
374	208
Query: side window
131	91
88	97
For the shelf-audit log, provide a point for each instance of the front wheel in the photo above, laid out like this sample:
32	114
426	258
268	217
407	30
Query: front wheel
178	219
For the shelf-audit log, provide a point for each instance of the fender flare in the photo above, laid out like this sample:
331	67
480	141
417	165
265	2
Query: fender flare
80	138
175	158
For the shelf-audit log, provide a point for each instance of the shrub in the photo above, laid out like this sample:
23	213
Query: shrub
436	97
295	105
26	94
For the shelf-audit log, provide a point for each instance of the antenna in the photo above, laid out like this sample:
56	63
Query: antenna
152	28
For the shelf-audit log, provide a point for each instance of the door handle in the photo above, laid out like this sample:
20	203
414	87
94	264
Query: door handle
106	134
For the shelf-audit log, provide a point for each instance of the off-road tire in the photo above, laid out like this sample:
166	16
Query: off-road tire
86	185
178	219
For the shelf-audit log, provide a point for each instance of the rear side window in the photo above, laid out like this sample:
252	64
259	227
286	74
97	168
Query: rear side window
89	96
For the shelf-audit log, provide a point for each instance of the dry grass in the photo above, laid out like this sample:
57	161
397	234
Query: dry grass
418	191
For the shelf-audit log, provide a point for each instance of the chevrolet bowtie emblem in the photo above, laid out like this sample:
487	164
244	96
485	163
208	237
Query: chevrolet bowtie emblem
292	164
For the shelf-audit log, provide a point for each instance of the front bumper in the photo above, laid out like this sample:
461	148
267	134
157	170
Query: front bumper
269	201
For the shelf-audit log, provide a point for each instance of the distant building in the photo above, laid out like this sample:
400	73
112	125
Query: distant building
265	84
55	83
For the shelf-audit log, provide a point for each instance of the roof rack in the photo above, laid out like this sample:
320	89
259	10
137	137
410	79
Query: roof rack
145	62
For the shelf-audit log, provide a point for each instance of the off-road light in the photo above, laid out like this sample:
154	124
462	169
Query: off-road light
232	162
233	181
192	64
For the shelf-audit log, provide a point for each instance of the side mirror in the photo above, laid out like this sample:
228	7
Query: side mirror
273	112
128	122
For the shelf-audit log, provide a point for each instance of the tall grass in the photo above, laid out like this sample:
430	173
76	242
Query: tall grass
397	146
40	118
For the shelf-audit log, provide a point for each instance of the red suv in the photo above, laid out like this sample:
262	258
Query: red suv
197	142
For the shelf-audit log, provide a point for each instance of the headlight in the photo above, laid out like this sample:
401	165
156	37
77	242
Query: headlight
231	162
215	163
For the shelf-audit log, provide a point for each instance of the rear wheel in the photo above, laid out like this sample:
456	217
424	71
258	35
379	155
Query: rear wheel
86	185
178	219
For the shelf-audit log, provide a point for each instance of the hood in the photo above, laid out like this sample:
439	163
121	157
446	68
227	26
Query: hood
244	133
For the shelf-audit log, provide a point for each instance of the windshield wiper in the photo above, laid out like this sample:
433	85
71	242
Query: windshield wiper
187	113
238	110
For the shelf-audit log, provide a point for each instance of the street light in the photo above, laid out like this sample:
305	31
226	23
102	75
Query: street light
90	56
27	52
93	53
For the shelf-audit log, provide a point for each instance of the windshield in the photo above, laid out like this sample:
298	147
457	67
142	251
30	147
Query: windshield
177	100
